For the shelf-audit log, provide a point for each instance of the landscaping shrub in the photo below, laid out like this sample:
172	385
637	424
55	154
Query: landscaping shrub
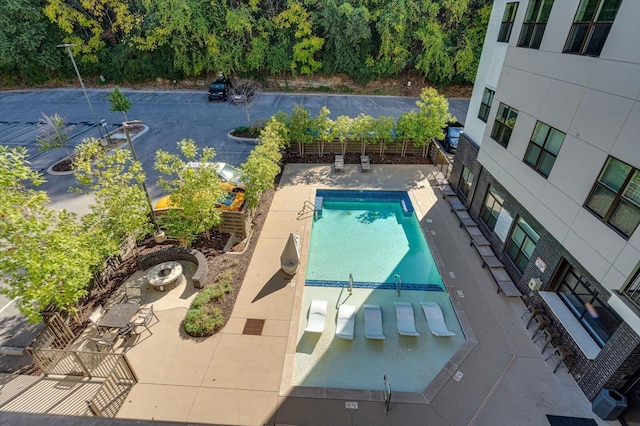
204	317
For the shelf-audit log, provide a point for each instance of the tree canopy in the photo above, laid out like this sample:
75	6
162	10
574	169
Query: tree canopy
127	40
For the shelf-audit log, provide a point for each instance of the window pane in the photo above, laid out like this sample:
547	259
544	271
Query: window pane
608	11
554	141
546	163
506	135
632	191
529	230
546	11
518	236
601	200
529	247
502	113
512	251
576	37
626	217
539	133
586	10
538	32
614	174
513	115
486	96
525	35
596	39
533	152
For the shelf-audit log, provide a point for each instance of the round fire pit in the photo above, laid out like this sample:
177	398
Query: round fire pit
164	275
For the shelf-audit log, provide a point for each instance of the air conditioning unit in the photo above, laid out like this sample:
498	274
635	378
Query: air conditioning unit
535	284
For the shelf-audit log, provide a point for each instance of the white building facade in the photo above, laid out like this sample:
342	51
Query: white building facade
549	166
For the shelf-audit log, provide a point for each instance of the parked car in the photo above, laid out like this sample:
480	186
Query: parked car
226	173
219	89
451	135
232	200
242	97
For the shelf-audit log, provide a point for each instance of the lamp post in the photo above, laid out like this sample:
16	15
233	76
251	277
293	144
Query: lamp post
75	67
159	236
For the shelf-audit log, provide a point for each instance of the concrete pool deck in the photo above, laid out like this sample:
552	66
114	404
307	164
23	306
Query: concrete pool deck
237	379
234	378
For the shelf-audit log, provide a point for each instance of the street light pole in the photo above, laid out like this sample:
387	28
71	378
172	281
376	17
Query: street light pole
75	67
125	127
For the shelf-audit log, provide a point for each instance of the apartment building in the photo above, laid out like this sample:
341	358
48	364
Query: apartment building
549	167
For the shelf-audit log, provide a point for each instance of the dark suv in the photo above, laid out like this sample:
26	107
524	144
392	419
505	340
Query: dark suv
219	89
451	135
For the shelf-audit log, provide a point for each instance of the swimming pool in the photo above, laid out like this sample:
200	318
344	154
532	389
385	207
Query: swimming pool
372	235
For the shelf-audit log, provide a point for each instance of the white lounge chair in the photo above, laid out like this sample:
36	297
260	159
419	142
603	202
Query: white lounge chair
373	322
406	320
317	314
435	319
346	322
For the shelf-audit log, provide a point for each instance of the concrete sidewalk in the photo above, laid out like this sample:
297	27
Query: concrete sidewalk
239	379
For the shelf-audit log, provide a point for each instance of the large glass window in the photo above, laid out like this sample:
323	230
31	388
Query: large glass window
535	22
504	124
543	148
591	26
588	305
485	105
466	179
491	208
615	197
521	244
507	21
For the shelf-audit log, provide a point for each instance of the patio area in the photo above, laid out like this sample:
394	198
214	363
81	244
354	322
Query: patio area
239	376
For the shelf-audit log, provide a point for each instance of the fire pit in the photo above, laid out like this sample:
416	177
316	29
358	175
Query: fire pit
165	274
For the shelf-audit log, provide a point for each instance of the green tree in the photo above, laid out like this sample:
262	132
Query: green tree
321	127
433	116
383	132
53	132
306	45
115	180
343	130
119	102
195	191
364	128
263	164
299	123
92	25
27	43
46	256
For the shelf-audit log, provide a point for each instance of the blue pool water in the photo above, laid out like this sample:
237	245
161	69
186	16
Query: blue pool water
372	235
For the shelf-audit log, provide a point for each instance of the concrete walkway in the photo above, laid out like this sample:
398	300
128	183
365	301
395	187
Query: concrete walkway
499	376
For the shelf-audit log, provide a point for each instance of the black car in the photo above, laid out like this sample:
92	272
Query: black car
451	135
219	89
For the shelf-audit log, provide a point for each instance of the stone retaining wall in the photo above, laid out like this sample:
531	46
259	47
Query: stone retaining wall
178	253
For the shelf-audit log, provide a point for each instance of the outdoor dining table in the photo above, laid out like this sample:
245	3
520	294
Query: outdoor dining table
119	315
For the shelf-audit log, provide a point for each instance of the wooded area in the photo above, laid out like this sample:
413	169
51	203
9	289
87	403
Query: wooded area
138	40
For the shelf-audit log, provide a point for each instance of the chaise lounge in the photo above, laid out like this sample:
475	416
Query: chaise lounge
365	163
346	322
317	314
435	319
373	322
406	320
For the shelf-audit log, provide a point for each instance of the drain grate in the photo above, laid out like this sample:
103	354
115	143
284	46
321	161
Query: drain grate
253	327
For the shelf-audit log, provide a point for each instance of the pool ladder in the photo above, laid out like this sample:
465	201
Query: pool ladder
308	207
398	280
350	284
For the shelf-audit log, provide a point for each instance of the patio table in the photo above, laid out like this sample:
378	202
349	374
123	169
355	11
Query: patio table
119	315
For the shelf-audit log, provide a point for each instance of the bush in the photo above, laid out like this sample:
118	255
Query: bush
203	318
202	322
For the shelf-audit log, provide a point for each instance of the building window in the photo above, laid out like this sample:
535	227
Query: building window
589	307
543	148
615	197
507	21
521	244
491	208
504	124
535	22
485	105
632	291
591	26
466	179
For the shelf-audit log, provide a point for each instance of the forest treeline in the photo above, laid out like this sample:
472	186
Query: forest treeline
138	40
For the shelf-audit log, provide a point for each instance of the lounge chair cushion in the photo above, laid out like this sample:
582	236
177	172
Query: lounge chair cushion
406	320
346	322
317	314
373	322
